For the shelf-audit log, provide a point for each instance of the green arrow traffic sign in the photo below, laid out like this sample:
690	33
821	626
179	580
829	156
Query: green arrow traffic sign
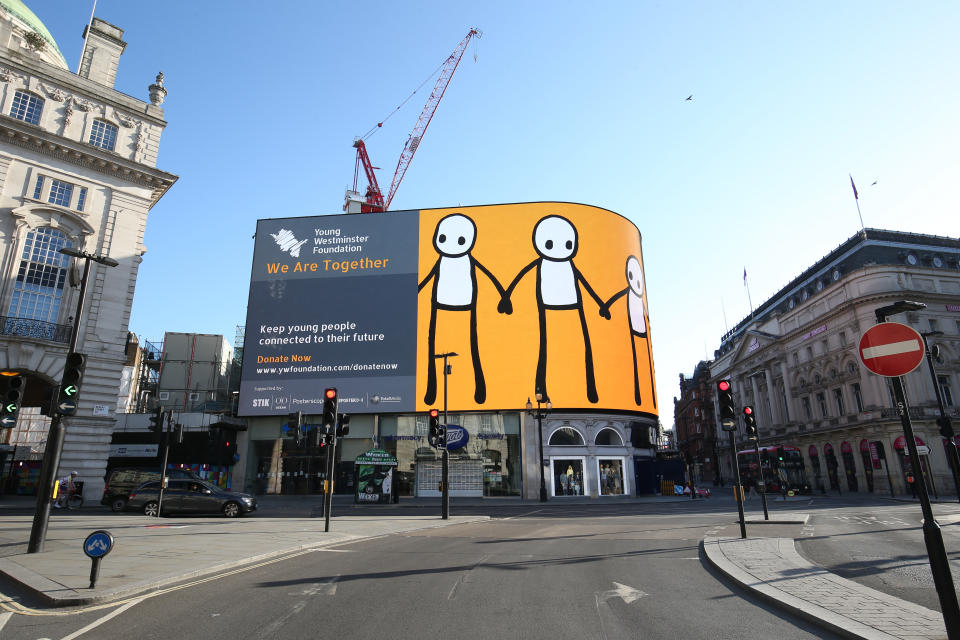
11	408
70	390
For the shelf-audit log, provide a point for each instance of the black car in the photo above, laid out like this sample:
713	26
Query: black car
190	496
122	480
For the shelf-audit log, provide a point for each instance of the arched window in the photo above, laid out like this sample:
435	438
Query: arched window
608	437
566	437
26	107
103	135
39	285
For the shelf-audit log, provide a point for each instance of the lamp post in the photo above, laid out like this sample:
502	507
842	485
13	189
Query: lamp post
946	428
932	536
541	413
54	448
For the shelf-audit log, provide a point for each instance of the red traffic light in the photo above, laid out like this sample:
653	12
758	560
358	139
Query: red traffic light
434	413
723	385
748	410
330	393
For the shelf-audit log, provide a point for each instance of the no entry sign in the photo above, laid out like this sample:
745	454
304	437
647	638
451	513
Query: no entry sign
891	349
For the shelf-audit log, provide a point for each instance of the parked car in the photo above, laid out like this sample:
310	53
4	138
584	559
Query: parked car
189	496
121	481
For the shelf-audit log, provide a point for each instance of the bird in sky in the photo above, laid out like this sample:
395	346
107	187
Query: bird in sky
874	182
689	98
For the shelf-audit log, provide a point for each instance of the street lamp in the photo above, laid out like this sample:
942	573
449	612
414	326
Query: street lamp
897	307
54	448
541	413
946	428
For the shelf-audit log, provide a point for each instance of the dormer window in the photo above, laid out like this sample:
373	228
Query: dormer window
103	135
26	107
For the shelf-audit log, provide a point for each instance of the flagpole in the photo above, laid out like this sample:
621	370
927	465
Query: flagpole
86	33
747	285
726	325
856	197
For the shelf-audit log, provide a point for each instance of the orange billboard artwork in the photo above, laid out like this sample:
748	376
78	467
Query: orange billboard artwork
545	296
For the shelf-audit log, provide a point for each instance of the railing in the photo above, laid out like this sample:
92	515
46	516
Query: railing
36	329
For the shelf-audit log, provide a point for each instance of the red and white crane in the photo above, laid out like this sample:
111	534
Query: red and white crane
373	199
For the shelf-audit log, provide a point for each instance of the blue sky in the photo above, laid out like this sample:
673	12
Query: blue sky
569	101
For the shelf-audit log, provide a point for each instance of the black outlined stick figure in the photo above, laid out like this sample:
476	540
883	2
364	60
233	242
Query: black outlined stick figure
636	314
455	289
558	287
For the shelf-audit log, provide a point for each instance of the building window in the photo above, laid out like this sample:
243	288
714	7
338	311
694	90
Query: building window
38	191
103	135
82	198
838	395
806	407
38	289
958	326
608	437
26	107
843	339
566	436
796	356
61	193
822	403
933	324
857	396
825	345
809	354
944	382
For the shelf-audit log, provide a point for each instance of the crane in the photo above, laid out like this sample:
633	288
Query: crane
373	199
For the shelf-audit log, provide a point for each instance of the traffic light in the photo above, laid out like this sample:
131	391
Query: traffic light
329	419
11	392
750	422
177	434
946	428
435	436
728	418
156	421
343	425
780	454
70	384
228	448
295	425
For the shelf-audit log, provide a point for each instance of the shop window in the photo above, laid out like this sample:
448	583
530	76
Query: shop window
610	438
610	474
567	477
566	437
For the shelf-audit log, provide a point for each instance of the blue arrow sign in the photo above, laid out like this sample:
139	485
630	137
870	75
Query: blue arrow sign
67	407
98	544
7	421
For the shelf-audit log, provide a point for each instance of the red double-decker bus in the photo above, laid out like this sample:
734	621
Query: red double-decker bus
782	468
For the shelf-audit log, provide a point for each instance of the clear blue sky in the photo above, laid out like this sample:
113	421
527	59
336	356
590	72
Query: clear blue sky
572	101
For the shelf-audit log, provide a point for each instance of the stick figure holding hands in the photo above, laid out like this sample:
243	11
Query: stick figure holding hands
558	287
454	278
637	316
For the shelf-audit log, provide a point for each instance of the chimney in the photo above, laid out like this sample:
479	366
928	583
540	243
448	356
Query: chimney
102	51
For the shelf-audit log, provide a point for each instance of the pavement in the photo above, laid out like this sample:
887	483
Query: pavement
153	554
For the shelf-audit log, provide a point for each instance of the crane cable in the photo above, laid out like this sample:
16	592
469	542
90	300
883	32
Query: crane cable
374	128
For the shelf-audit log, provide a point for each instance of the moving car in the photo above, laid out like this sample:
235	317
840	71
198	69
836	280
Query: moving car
122	480
190	496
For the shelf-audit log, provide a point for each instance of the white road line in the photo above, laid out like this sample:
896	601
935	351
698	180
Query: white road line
5	618
97	623
520	515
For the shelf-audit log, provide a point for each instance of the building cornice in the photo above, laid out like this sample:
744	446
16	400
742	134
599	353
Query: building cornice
85	156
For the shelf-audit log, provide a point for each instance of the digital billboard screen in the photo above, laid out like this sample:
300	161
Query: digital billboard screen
543	296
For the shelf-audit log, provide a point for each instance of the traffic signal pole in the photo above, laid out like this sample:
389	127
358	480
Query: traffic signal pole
167	415
55	437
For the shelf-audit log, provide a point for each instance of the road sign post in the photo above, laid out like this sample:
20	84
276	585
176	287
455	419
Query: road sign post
96	546
892	350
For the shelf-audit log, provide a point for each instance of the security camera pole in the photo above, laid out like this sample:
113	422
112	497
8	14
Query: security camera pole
445	488
54	448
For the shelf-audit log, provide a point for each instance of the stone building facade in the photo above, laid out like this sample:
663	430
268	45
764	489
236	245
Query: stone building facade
77	169
796	361
695	427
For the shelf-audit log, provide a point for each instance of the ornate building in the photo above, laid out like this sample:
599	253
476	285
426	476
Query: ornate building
796	361
695	427
77	169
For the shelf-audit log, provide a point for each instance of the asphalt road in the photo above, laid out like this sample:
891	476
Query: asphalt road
569	571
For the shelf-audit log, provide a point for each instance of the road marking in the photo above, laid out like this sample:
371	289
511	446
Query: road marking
328	588
464	577
521	515
97	623
627	594
5	618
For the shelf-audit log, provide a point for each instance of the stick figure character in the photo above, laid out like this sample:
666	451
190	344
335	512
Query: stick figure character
637	316
558	287
455	289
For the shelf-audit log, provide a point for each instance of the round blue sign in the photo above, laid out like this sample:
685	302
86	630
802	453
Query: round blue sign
98	544
457	437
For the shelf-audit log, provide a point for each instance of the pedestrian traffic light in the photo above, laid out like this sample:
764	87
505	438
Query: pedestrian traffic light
295	425
177	433
728	418
750	422
228	448
70	384
946	428
156	421
11	393
343	425
780	454
329	419
435	436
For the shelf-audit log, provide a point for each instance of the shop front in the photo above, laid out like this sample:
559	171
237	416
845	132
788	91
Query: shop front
581	464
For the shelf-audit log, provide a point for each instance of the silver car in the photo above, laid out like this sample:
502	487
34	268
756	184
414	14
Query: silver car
189	496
